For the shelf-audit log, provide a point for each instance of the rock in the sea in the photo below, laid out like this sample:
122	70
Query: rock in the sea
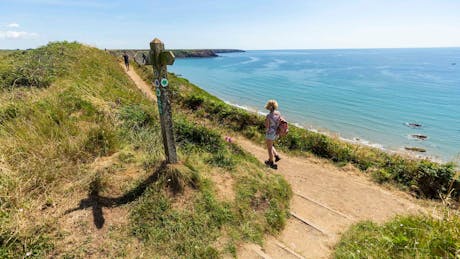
414	125
418	136
416	149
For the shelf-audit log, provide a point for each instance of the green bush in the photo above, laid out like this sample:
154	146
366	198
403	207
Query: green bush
186	132
403	237
433	178
381	175
194	101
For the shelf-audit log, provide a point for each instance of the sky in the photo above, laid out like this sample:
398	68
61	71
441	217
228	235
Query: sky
241	24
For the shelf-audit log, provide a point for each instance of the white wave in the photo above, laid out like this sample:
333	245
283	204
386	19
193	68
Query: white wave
250	109
275	63
363	142
251	60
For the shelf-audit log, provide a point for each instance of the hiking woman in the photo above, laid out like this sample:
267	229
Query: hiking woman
271	126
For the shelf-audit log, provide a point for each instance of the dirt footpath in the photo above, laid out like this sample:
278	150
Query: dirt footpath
326	201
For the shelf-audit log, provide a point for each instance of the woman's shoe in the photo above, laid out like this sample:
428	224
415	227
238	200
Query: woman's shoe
271	164
277	158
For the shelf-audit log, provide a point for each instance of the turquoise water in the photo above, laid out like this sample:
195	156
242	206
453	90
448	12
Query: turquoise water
360	95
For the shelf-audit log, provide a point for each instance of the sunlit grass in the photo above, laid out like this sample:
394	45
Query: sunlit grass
403	237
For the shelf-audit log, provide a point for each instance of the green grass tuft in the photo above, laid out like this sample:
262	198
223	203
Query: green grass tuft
403	237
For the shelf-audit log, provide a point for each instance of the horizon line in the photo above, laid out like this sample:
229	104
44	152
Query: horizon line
268	49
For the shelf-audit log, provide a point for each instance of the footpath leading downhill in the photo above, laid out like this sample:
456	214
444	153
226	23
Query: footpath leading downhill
326	201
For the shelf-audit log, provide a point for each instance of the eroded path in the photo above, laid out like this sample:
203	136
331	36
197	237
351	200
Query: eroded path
326	201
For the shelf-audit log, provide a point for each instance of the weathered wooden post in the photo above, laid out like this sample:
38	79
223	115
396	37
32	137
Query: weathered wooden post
159	58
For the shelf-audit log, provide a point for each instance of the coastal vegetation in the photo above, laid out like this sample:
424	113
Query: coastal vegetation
80	148
403	237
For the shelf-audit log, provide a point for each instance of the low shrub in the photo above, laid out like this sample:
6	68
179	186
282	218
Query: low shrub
381	175
186	132
403	237
193	102
433	179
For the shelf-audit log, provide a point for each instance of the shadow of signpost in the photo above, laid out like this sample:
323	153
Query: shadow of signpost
97	202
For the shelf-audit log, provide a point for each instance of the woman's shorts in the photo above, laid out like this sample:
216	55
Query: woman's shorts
270	136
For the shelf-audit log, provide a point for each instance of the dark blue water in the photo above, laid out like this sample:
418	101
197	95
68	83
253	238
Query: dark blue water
362	95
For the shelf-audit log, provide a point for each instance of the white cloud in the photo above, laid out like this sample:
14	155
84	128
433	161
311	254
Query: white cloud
73	3
13	25
17	35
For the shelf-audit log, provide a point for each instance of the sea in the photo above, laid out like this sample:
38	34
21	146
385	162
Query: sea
386	98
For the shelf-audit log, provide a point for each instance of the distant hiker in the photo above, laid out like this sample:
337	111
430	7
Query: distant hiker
126	59
271	127
144	58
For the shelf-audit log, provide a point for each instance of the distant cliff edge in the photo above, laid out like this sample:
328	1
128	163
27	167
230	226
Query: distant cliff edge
179	53
201	53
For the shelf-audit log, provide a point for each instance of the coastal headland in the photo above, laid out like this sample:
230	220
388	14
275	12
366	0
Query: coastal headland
136	54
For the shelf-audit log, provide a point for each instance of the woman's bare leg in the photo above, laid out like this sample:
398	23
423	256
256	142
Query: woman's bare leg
275	153
270	149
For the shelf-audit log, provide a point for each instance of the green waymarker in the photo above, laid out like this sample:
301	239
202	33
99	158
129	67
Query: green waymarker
164	82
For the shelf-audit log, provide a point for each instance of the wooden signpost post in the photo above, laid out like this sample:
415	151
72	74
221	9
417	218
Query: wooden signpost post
159	59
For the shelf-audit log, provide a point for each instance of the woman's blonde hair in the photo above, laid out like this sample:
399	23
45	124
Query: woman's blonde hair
271	105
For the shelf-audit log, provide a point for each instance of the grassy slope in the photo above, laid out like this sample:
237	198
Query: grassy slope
76	135
435	236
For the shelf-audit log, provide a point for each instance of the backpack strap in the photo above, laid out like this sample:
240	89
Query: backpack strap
272	118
